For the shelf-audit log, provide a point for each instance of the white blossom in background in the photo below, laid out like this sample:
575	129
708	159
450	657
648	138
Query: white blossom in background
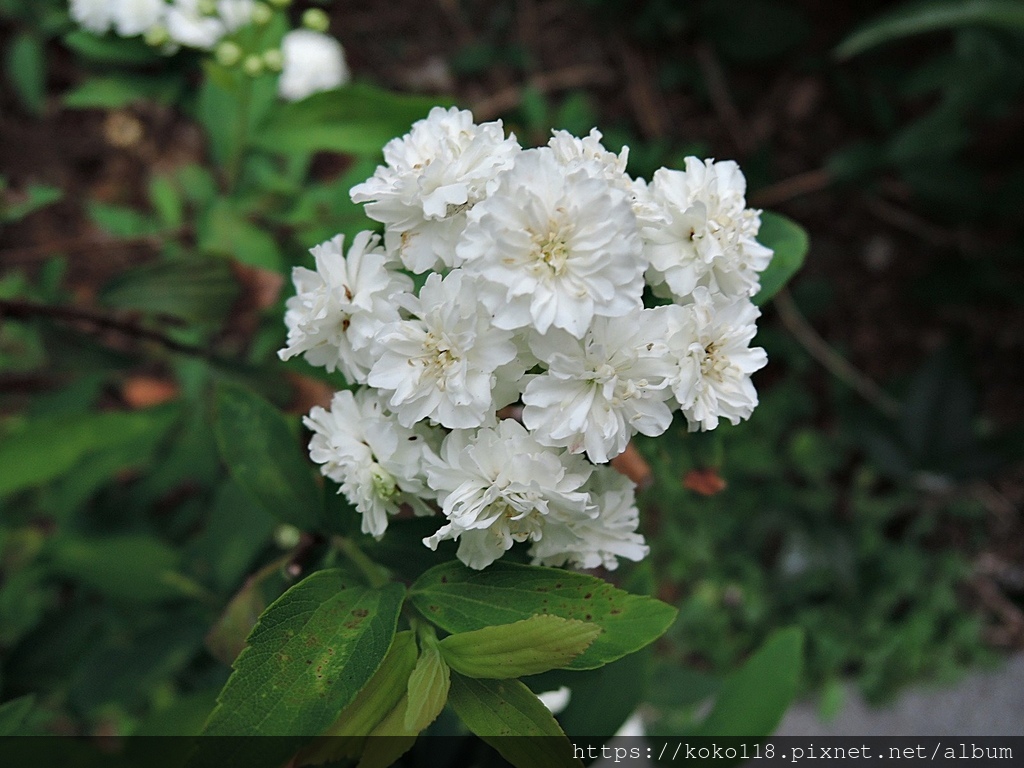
497	392
433	175
600	540
188	25
339	308
601	390
134	17
440	364
95	15
312	62
712	345
235	14
709	235
498	486
553	247
377	462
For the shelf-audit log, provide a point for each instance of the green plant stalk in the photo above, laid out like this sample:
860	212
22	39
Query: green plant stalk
234	168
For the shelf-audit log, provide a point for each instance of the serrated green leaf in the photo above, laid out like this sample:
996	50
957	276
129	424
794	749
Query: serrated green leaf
308	657
357	119
263	457
346	737
459	599
13	713
917	18
227	636
790	243
26	70
496	710
390	739
754	698
427	689
526	647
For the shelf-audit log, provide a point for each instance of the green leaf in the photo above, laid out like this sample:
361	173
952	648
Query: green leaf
26	70
263	457
112	49
308	657
199	290
526	647
116	91
459	599
358	119
227	636
790	242
226	232
346	737
120	221
45	448
13	714
497	709
427	689
753	699
390	739
166	201
917	18
36	196
129	567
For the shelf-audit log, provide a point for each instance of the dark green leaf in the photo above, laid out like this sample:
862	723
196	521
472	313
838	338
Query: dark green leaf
26	70
526	647
459	599
311	653
753	699
497	709
227	636
121	90
120	221
36	196
790	242
263	457
917	18
226	232
13	714
111	49
358	119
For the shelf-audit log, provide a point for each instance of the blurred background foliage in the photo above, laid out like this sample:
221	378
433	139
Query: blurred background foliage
874	499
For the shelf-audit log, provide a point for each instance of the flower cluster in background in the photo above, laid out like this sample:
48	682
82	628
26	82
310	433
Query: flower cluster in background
536	277
309	60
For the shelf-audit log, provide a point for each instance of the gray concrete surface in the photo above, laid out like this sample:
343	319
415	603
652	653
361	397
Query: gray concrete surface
989	703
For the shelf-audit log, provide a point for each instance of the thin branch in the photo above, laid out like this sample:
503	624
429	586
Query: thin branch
27	310
548	82
645	101
721	98
834	362
794	186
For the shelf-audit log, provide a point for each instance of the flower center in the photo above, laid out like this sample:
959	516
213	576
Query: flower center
439	355
383	483
550	250
712	364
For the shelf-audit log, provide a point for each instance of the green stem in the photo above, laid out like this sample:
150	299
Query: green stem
241	137
376	575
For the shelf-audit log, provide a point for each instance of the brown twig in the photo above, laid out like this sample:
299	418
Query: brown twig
834	362
721	98
915	225
548	82
645	101
27	310
794	186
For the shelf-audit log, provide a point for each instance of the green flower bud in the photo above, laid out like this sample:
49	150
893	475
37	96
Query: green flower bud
383	483
315	19
156	36
273	60
262	14
228	53
287	536
253	65
207	7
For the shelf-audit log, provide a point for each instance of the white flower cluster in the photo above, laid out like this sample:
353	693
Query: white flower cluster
310	61
536	264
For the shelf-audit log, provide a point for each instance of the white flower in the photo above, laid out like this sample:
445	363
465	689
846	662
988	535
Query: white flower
434	174
712	344
235	13
133	17
339	308
708	236
599	391
600	540
554	247
591	154
378	463
441	363
187	25
94	15
498	486
313	62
